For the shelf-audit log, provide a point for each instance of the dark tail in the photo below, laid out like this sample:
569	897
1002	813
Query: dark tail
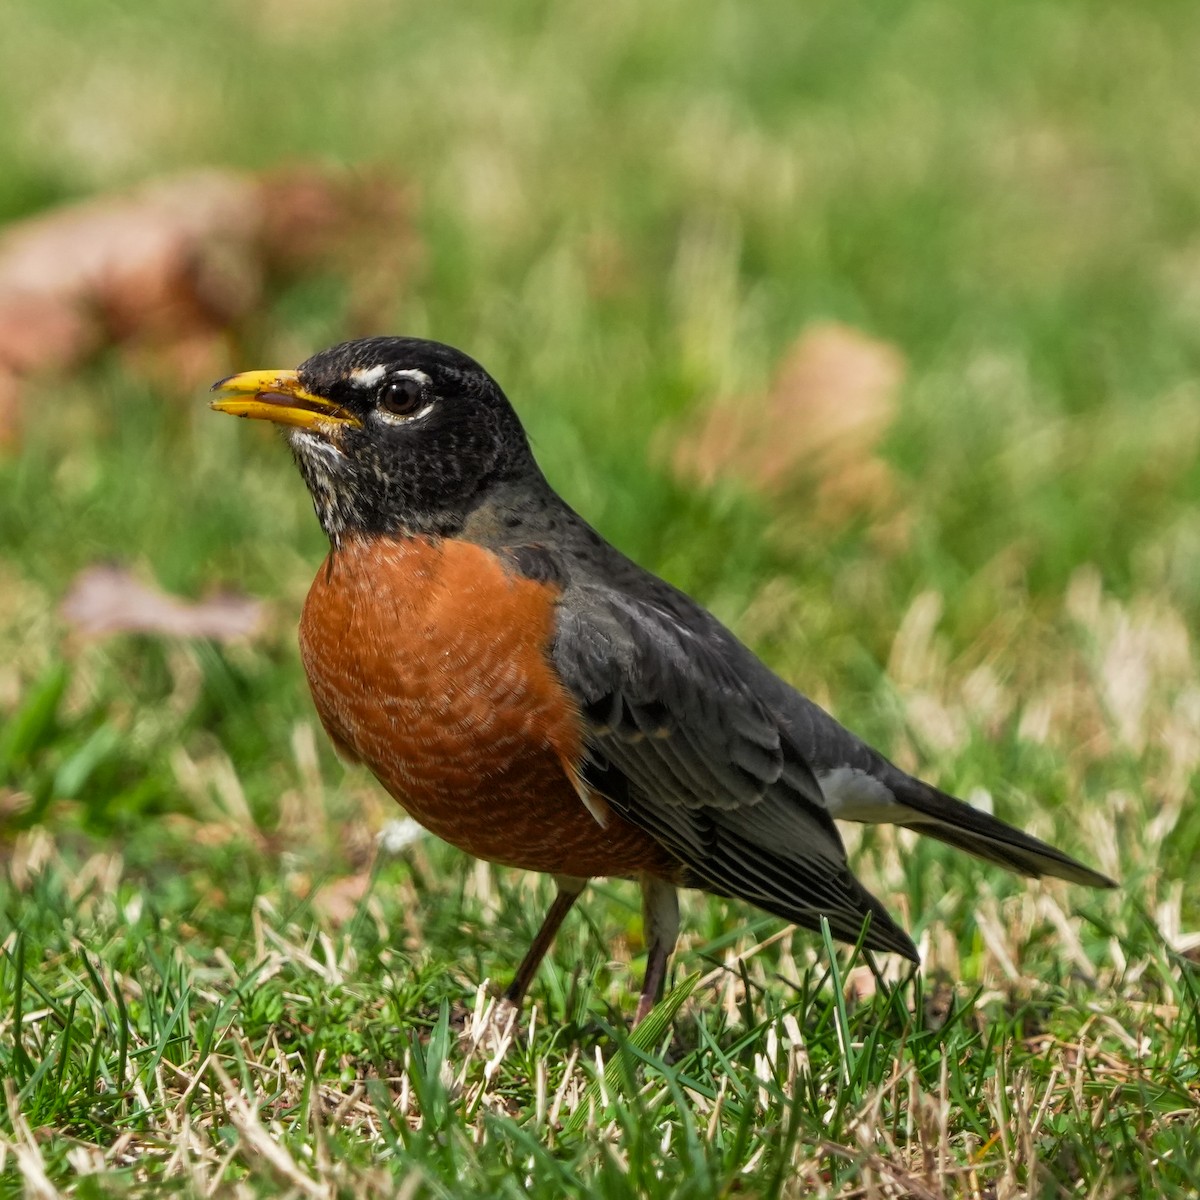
949	820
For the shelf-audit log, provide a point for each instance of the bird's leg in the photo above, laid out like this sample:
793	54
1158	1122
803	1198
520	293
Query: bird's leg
569	889
660	925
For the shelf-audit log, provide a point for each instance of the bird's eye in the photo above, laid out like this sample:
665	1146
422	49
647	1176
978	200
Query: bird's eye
402	397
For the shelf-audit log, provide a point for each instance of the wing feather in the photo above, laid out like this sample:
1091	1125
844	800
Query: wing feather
682	747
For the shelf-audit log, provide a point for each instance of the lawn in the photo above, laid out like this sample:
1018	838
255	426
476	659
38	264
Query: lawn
215	978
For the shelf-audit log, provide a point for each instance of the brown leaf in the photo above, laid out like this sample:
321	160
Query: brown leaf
166	255
830	403
169	268
104	600
10	408
358	226
188	363
859	985
43	332
338	901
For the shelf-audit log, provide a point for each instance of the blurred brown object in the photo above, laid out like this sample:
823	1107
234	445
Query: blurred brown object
338	901
168	269
829	405
103	600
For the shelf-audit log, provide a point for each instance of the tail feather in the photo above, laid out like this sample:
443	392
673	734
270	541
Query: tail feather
939	815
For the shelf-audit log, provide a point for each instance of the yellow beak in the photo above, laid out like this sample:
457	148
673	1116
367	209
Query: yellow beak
277	396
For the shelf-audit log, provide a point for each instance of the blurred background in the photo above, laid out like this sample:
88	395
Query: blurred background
875	327
831	316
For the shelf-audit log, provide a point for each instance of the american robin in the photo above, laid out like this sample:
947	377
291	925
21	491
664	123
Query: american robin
536	698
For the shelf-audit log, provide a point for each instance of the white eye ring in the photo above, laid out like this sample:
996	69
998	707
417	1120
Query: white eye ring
396	419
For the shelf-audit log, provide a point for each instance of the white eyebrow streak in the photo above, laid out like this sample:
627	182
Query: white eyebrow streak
366	377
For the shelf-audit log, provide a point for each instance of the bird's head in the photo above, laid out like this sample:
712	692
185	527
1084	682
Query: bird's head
392	434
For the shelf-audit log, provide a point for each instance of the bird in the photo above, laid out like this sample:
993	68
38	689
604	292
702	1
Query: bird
536	698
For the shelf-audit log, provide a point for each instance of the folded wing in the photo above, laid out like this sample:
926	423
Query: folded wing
680	746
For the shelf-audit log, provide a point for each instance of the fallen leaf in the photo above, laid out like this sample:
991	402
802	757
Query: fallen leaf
10	408
189	362
860	985
201	833
357	226
43	332
829	405
338	901
104	600
167	253
167	269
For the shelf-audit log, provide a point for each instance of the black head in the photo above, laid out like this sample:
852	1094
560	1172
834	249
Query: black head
392	434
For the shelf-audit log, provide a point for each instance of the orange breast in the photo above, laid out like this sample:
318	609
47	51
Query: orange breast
428	661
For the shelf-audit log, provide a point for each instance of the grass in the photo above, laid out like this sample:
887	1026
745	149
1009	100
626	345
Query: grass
212	982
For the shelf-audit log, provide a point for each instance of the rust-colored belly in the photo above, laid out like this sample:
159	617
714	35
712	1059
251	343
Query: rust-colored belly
428	661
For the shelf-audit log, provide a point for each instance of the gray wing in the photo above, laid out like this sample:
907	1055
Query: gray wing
681	746
740	775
